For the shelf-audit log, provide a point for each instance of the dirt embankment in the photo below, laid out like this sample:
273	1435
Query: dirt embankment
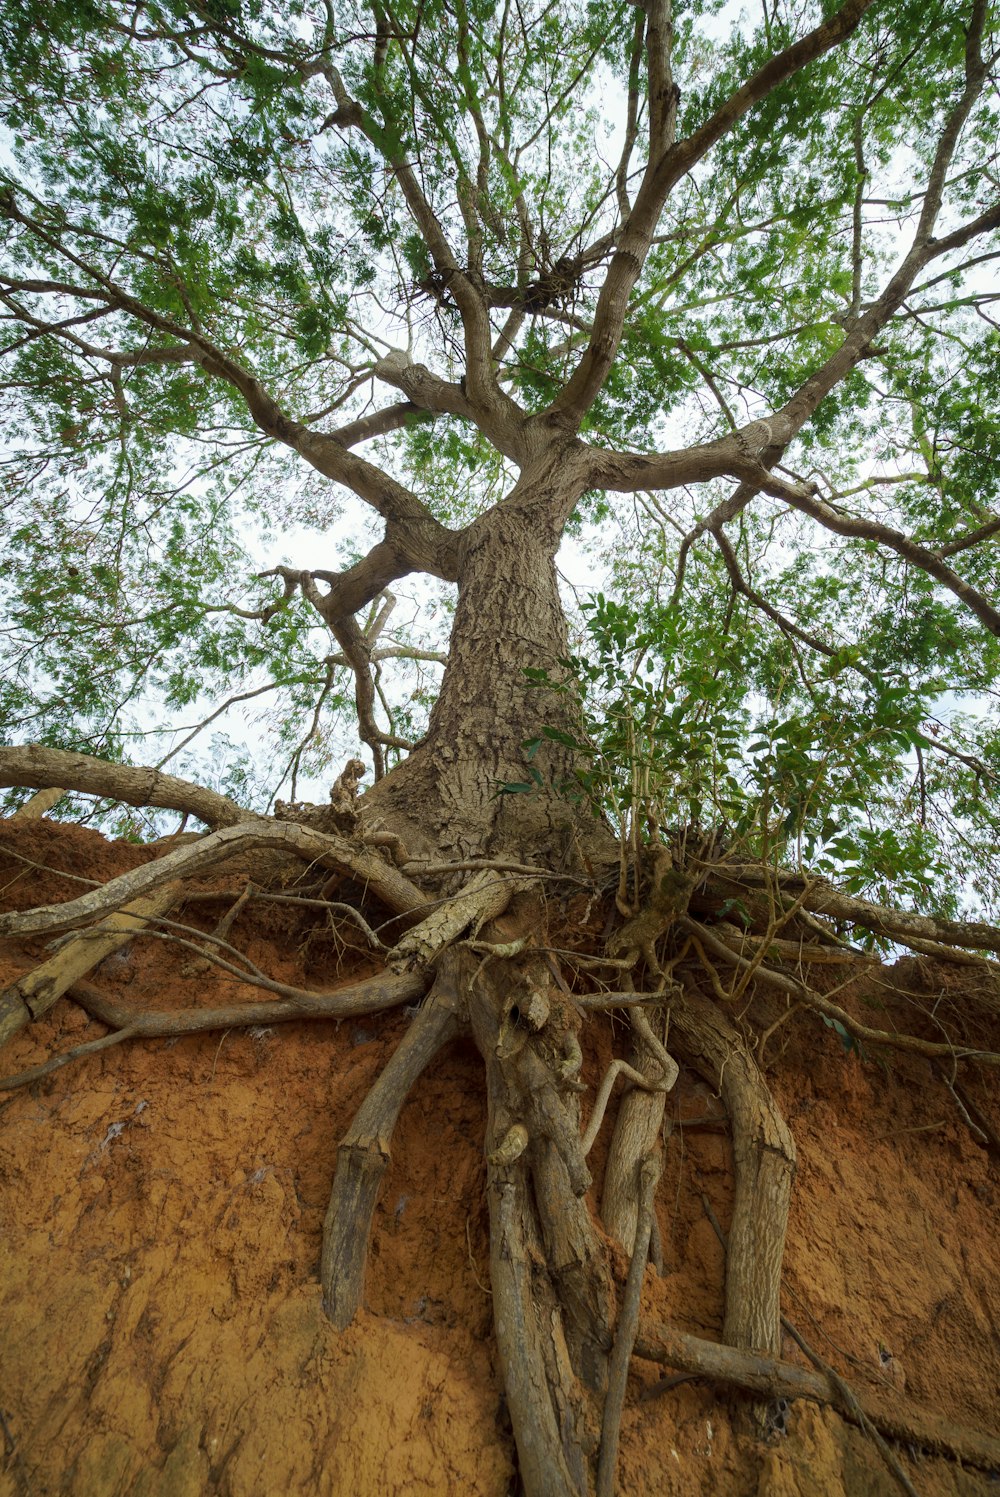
161	1206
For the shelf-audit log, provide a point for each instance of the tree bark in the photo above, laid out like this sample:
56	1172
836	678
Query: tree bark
764	1166
448	794
552	1291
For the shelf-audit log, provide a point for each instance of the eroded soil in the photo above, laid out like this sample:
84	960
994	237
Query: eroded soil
161	1206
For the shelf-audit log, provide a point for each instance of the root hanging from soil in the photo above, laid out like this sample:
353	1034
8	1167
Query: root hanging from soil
363	1155
764	1161
648	1172
552	1293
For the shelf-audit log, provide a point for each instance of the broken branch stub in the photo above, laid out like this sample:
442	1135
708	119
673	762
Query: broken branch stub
482	899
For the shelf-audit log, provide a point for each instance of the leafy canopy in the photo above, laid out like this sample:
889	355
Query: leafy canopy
222	222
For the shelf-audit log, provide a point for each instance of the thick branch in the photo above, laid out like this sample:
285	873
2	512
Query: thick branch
895	925
39	768
931	562
322	451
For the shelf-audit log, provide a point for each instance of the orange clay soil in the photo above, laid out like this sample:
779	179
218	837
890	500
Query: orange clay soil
161	1206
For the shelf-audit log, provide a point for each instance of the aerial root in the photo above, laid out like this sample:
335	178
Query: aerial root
628	1324
769	1377
363	1154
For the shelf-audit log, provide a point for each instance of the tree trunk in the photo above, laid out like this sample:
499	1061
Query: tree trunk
509	620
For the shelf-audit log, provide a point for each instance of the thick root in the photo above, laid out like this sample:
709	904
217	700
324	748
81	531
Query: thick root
392	887
764	1158
363	1156
552	1292
36	992
771	1378
637	1130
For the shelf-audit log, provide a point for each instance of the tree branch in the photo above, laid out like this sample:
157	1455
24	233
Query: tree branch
633	240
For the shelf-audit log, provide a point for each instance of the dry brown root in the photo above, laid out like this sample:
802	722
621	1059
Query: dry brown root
637	1129
34	994
764	1164
392	887
373	995
644	1188
39	804
552	1292
363	1155
774	1379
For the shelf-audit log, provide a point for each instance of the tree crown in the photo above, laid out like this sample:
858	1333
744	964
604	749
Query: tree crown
267	267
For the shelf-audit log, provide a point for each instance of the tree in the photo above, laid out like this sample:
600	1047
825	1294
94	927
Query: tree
755	347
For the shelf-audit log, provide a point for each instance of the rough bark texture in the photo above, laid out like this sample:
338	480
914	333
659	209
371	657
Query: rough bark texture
447	796
551	1286
45	768
637	1131
764	1161
363	1155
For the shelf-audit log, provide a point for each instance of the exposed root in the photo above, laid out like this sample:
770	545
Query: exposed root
637	1128
39	804
199	964
615	1069
484	898
853	1409
368	997
34	994
552	1291
764	1159
628	1323
802	993
395	890
363	1155
771	1378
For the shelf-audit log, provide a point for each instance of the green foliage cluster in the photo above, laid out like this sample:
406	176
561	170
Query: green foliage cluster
827	697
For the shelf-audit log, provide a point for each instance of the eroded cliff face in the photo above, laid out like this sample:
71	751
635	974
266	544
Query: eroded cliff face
161	1205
